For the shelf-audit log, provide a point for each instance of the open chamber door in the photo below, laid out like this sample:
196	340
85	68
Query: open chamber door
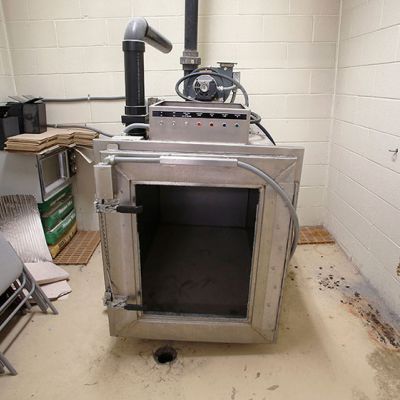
203	254
196	249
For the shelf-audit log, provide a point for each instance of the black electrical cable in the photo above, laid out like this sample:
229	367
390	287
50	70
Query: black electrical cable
194	74
255	118
266	133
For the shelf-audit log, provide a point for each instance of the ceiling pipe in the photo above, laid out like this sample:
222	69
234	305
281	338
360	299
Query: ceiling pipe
190	59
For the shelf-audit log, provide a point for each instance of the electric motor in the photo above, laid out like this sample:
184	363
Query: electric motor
205	88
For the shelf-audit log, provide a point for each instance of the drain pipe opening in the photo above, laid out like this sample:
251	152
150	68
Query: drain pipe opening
165	355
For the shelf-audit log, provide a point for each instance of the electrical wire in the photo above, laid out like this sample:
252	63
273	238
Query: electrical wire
254	118
266	133
88	98
136	125
221	88
83	126
205	69
215	70
233	98
194	74
112	160
288	203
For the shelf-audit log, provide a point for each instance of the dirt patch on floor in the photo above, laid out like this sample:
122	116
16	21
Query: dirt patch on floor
379	330
362	305
328	278
387	366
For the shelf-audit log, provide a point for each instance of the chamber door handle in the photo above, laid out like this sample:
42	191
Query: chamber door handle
129	209
134	307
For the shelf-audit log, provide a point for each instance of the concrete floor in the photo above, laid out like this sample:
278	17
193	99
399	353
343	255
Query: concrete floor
331	346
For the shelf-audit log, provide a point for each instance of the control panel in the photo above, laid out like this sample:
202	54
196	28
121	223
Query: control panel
199	122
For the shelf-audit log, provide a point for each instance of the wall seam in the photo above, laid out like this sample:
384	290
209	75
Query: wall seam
8	48
330	138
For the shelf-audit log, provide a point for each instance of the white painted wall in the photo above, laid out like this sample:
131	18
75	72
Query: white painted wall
364	182
7	86
285	50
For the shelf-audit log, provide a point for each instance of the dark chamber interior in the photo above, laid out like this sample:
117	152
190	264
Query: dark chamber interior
196	246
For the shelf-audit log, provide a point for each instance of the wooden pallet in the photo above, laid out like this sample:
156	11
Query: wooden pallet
315	235
79	250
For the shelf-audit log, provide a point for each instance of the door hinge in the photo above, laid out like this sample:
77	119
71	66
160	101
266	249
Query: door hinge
111	206
115	301
106	206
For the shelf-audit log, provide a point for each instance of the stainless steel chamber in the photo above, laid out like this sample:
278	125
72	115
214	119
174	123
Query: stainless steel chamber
197	208
195	241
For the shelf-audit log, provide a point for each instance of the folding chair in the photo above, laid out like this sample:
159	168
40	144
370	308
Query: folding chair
20	286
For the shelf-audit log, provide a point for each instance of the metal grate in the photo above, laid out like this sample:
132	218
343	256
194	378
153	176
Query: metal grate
315	235
79	249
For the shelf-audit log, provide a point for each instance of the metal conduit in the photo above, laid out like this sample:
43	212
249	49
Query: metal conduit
241	164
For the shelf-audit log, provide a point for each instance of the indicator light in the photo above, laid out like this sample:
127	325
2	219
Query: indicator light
199	124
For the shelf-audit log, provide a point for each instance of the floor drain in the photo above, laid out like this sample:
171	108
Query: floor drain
165	355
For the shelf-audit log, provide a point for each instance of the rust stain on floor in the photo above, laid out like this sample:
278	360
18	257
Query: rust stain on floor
360	301
379	330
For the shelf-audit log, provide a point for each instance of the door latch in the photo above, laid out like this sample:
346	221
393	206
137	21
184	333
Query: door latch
129	209
111	206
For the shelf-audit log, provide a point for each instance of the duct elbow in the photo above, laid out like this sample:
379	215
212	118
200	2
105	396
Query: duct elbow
138	29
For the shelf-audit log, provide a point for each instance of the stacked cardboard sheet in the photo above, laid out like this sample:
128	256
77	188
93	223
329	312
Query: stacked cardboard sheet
85	138
64	136
36	142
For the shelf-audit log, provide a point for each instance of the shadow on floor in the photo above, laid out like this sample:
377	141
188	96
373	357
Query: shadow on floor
296	330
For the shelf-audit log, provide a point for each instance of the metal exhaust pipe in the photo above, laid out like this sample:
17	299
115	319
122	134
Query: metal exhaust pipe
137	33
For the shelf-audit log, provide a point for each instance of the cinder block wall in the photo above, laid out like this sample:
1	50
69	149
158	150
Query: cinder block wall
7	86
285	50
364	183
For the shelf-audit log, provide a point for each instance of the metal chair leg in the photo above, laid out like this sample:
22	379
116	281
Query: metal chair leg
38	295
4	362
42	301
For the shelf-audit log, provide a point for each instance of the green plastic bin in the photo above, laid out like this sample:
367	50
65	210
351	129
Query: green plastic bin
53	235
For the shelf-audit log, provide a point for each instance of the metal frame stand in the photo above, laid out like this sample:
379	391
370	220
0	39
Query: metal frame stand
27	282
